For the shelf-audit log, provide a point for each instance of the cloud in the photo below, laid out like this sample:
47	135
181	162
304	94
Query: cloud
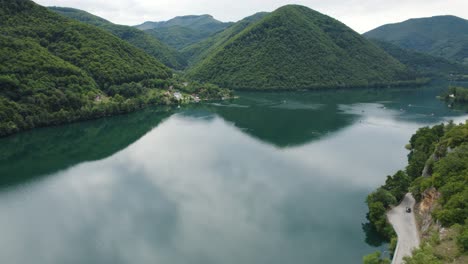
359	15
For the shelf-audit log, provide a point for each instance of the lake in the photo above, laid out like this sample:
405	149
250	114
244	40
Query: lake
265	178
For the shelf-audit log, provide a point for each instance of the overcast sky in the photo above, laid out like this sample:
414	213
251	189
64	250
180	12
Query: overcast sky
361	15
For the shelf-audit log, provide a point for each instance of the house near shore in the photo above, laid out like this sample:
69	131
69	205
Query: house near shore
195	98
177	96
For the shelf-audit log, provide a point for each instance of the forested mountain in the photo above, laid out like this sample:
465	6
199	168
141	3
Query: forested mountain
53	68
423	63
200	50
182	31
296	47
167	55
443	36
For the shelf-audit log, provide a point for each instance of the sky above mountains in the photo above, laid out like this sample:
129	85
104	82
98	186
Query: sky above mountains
361	15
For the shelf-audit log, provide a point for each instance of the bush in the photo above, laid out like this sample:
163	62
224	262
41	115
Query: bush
462	238
374	258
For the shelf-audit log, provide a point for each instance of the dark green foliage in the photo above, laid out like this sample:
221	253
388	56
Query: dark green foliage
202	22
397	185
183	31
37	88
422	146
106	58
387	195
179	37
378	203
445	149
423	255
298	48
460	94
55	70
374	258
169	56
202	90
451	178
422	63
442	36
462	238
199	51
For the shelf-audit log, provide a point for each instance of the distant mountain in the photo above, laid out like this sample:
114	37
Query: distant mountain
182	31
138	38
54	69
200	50
442	36
297	48
423	63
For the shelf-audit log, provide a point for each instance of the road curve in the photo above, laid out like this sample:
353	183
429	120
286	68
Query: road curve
405	226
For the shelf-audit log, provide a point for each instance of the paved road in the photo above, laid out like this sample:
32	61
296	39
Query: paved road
405	226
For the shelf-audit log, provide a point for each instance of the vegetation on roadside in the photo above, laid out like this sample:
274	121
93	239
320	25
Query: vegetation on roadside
375	258
438	159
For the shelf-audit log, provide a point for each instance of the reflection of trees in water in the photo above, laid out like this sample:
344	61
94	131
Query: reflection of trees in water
286	127
294	118
44	151
283	119
372	236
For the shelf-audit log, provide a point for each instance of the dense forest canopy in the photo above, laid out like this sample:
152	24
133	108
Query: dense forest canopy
56	70
438	161
69	65
53	69
296	47
154	47
423	63
183	31
200	50
442	36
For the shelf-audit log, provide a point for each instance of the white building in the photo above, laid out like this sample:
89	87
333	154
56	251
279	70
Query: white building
178	96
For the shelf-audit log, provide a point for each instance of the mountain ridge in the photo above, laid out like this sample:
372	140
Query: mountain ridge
443	36
311	50
182	31
154	47
56	70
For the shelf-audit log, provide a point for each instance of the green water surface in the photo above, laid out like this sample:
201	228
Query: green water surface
265	178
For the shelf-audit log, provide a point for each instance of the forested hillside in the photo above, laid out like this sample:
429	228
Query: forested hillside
200	50
183	31
298	48
443	36
422	63
167	55
56	70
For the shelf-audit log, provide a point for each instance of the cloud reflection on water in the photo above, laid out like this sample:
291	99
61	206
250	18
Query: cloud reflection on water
199	190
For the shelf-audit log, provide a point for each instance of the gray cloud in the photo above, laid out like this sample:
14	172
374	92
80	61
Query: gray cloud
360	15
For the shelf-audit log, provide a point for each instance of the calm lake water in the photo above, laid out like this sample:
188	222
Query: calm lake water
265	178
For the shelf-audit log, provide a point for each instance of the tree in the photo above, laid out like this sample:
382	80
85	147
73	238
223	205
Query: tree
374	258
397	185
423	255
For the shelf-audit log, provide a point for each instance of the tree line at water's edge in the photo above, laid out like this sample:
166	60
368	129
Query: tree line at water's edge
68	65
438	163
56	70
